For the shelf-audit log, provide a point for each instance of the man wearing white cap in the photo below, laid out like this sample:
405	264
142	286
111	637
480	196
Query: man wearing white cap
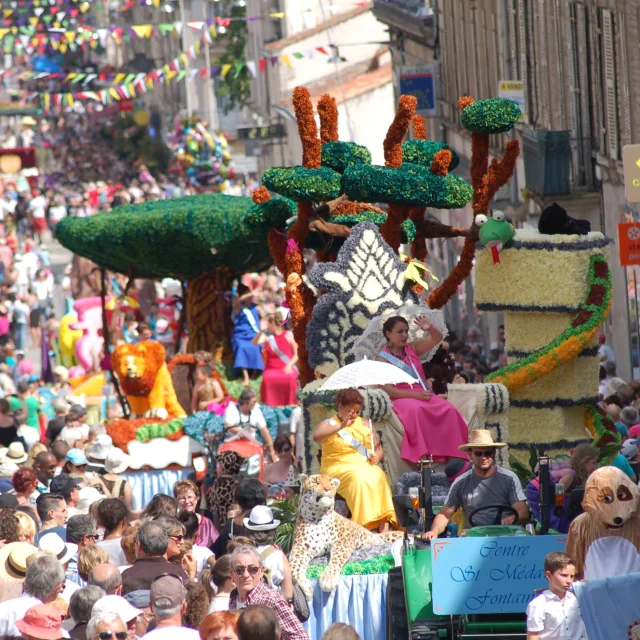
64	551
117	605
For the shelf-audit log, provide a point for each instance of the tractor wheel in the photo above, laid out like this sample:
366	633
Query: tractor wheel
397	623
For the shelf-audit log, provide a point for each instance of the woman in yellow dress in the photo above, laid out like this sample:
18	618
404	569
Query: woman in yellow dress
347	455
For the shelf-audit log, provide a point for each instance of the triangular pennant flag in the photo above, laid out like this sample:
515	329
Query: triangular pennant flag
63	47
308	53
7	12
165	28
114	94
251	65
70	36
297	55
123	91
208	38
196	47
196	25
225	70
129	78
33	20
79	78
47	101
143	30
3	33
214	71
178	26
170	76
156	3
193	73
204	72
262	63
277	14
273	59
69	99
237	68
181	75
322	50
38	12
185	60
287	60
119	78
132	89
212	31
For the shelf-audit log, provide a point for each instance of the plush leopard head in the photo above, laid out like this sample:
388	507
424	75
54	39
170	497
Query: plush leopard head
317	496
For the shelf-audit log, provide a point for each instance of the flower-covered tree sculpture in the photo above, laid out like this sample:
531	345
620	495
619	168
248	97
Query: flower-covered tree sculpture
203	240
337	187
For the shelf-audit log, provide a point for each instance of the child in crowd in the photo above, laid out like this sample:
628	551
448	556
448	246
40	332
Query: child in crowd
555	614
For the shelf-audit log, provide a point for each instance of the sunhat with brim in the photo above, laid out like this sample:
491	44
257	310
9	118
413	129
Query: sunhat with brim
101	446
16	453
13	561
7	468
480	438
117	461
43	621
87	496
260	519
629	449
62	550
117	605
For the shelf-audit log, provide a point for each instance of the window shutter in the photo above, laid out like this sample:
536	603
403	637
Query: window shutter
609	72
624	81
522	39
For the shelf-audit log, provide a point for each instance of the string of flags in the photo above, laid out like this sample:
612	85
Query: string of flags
129	86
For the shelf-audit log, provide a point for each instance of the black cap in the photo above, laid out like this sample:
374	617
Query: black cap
63	484
8	500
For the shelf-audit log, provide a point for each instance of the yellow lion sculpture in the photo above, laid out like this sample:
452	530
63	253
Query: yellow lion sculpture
145	379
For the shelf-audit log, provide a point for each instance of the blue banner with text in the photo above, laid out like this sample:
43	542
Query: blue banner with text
489	575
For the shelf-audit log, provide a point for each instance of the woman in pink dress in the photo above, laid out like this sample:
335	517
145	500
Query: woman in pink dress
432	426
279	386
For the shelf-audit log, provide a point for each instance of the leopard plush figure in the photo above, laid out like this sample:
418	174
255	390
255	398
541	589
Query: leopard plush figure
222	493
319	529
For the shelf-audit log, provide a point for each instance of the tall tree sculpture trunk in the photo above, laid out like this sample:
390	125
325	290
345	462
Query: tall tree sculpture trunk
209	314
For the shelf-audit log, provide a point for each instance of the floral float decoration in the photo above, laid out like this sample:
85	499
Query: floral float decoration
339	175
203	155
145	380
555	292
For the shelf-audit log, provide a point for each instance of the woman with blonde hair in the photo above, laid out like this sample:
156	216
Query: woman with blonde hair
26	527
37	448
89	558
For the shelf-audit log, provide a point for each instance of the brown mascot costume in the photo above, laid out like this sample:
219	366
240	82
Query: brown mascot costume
605	539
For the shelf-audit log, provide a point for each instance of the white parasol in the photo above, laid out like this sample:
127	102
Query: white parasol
366	373
372	340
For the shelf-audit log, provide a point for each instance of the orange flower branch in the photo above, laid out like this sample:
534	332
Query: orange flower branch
328	112
419	128
307	129
398	130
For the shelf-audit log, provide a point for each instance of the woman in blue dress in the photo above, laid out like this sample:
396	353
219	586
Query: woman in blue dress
246	325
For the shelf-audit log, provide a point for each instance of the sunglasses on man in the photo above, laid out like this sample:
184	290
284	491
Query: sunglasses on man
486	453
252	569
109	635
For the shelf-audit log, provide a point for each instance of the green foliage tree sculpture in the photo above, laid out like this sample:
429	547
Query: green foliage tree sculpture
203	240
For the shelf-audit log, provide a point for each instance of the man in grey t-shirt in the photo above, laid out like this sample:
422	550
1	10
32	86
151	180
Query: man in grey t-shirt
483	484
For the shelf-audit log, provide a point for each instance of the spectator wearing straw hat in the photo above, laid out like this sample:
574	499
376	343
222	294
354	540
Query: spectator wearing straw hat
43	582
42	622
13	568
116	462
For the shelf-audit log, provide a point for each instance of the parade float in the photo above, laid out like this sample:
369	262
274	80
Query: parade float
356	216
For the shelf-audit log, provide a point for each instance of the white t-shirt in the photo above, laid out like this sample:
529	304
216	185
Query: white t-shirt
275	563
201	555
114	549
57	213
254	419
71	434
13	610
38	207
172	633
554	618
219	602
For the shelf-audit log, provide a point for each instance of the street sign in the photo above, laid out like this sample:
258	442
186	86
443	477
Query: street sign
266	132
631	167
513	90
629	243
421	83
489	575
